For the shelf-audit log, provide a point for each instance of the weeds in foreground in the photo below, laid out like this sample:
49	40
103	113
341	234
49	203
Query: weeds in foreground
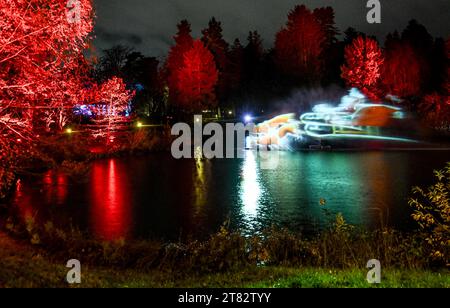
340	247
432	213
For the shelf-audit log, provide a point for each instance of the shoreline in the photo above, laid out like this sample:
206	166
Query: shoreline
24	266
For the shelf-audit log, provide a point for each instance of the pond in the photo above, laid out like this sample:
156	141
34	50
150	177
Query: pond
157	196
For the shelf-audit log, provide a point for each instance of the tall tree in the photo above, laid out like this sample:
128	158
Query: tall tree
175	60
401	74
197	79
112	62
299	45
40	45
333	51
325	16
214	41
253	55
236	62
363	66
422	42
41	70
351	34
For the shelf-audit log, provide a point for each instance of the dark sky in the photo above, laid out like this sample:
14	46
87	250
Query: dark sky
148	25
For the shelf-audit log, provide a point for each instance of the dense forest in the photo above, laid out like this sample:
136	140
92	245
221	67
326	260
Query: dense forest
310	60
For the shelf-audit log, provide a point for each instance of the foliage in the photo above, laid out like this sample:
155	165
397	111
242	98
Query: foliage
364	60
402	71
197	79
432	213
175	59
110	112
216	44
435	109
299	45
340	247
40	48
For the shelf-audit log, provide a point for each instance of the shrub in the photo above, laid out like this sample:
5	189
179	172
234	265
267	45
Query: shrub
432	213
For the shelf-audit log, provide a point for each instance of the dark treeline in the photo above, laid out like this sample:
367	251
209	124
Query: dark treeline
210	73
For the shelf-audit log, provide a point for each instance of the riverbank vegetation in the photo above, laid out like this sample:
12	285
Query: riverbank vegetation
336	258
276	257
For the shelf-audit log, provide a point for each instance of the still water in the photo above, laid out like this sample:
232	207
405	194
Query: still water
158	196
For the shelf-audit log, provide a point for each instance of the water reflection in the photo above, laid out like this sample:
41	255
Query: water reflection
110	212
200	182
158	196
56	187
250	186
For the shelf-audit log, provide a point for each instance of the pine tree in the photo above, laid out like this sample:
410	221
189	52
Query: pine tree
175	59
299	45
325	17
253	56
214	41
401	74
363	66
197	79
236	62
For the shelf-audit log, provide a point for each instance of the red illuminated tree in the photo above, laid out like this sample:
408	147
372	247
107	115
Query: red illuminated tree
401	74
40	44
40	47
175	59
436	110
110	110
299	45
363	66
197	79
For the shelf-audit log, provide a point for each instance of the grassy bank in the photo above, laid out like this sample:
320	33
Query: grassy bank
23	266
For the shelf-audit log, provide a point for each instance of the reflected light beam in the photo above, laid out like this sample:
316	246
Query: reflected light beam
250	186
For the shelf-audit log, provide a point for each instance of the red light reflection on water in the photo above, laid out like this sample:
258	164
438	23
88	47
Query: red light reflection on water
56	184
110	209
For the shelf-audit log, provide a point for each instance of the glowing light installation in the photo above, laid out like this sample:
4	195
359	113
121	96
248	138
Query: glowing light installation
354	118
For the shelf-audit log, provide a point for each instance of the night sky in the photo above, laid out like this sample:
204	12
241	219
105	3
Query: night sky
148	25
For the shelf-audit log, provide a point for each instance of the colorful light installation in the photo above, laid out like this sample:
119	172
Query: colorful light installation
354	118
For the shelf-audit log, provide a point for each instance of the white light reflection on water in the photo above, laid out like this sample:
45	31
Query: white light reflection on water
250	187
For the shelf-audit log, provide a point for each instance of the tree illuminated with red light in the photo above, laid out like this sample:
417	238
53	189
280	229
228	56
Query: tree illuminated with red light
402	71
175	59
299	45
40	44
197	79
110	112
40	74
363	66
